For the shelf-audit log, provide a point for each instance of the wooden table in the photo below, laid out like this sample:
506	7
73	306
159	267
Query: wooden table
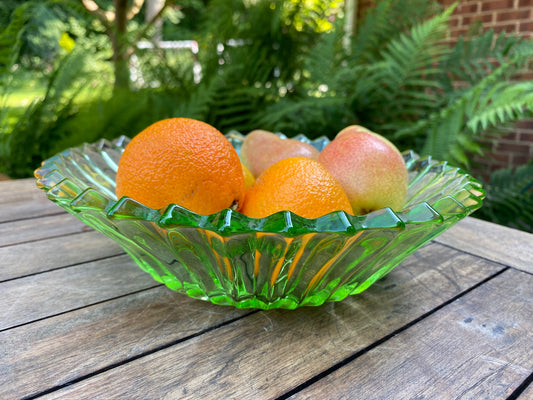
79	320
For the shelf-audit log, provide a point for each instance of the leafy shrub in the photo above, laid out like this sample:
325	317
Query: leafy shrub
281	66
510	198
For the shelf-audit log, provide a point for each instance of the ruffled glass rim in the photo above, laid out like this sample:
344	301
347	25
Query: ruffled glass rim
88	171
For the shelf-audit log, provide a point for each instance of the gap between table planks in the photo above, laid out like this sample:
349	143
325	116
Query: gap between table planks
495	242
69	288
450	357
56	350
53	253
293	345
49	226
21	199
450	360
471	232
485	239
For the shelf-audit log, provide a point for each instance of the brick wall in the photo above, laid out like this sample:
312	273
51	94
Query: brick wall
512	16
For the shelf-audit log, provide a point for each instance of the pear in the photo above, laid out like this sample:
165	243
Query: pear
369	167
260	149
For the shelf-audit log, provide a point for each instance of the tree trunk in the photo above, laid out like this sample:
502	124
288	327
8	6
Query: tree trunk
351	9
120	46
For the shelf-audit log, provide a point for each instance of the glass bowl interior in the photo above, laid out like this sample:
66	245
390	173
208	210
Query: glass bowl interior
281	261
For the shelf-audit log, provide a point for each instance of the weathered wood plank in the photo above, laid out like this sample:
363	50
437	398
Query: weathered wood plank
21	198
269	353
39	296
479	347
43	255
19	190
29	230
54	351
495	242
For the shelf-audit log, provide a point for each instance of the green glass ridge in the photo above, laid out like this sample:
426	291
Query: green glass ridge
281	261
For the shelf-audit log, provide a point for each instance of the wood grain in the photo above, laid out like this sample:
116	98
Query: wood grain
43	255
43	295
22	199
479	347
19	191
56	350
269	353
80	320
496	242
29	230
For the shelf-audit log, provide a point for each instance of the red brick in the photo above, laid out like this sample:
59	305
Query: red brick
498	158
484	18
524	75
525	124
454	22
487	5
520	160
513	15
526	137
458	32
514	148
510	137
525	3
463	8
526	26
509	28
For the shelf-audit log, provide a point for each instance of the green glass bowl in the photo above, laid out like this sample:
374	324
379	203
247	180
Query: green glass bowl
281	261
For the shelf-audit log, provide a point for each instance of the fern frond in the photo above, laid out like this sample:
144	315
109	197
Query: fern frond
404	79
11	37
232	104
451	131
443	129
411	54
324	59
383	23
504	103
473	58
509	198
36	132
312	116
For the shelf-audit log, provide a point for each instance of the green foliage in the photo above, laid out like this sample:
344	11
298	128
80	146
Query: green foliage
387	79
401	79
384	22
11	39
31	36
510	198
485	98
284	66
37	131
127	113
255	51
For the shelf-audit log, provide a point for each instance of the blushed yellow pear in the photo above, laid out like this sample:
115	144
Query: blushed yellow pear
260	149
369	167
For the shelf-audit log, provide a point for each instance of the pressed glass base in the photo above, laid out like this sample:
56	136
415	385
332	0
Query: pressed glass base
281	261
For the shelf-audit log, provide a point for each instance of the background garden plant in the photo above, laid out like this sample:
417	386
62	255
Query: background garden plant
277	65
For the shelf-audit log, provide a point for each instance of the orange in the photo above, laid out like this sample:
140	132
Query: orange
298	184
181	161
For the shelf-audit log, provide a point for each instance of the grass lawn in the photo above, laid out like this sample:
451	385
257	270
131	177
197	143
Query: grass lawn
21	92
23	97
16	103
